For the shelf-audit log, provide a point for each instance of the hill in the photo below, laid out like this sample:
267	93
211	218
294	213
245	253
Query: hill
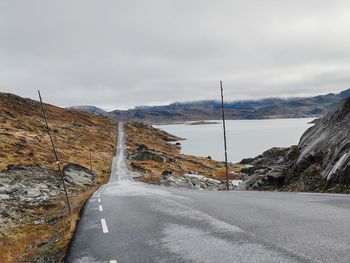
34	224
211	110
159	161
92	109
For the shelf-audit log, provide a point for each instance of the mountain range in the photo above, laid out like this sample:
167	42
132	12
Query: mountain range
269	108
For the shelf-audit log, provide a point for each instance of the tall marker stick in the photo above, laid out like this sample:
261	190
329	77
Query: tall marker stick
54	151
224	127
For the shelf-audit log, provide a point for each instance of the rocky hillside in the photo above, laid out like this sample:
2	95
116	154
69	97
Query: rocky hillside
155	155
92	109
321	161
34	224
211	110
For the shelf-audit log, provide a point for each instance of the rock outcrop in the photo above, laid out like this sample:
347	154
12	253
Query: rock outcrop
197	181
154	153
321	161
35	186
145	154
267	171
327	145
78	175
29	185
33	204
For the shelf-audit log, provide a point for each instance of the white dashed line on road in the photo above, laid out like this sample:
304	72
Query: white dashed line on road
104	225
113	261
100	207
99	200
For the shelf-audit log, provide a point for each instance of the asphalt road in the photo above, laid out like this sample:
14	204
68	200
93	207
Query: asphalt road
127	221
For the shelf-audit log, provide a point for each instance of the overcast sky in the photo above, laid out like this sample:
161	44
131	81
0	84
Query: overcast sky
119	54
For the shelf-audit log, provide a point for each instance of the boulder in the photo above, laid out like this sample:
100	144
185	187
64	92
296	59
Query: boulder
145	155
197	181
78	175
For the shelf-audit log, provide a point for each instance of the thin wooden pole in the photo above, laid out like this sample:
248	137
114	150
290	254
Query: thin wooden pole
224	127
54	151
90	162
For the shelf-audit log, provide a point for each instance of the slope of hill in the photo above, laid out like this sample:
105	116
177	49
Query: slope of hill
158	160
210	110
34	225
321	161
92	109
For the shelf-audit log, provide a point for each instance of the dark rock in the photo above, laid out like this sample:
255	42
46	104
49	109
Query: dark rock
12	167
147	155
327	143
304	163
4	214
271	179
247	161
54	219
166	174
140	168
142	147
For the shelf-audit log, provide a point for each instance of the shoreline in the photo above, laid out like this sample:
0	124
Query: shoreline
219	121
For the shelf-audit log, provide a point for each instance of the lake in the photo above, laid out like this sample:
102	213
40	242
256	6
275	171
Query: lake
245	138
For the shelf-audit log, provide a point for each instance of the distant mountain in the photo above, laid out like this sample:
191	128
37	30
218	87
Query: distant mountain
269	108
92	109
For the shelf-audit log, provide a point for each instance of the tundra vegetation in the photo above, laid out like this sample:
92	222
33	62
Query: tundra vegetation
156	154
34	222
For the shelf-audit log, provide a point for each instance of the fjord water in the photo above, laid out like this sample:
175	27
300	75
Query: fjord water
245	138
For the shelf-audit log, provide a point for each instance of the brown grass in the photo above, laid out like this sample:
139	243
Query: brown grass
158	141
24	140
26	242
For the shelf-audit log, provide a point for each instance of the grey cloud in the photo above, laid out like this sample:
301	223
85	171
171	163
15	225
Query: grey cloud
118	54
